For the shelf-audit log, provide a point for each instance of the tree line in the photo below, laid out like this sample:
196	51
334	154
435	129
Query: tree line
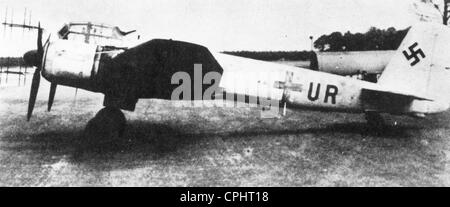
11	62
273	55
374	39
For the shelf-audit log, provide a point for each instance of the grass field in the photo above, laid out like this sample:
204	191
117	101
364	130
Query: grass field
169	144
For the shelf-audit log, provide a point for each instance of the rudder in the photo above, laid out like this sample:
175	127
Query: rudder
421	66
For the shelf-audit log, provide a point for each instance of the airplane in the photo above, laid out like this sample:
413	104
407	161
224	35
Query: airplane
414	83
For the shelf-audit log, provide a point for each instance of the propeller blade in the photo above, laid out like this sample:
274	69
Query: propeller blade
51	97
48	39
39	43
36	75
33	92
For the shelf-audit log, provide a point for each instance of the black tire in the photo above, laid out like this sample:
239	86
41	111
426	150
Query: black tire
107	125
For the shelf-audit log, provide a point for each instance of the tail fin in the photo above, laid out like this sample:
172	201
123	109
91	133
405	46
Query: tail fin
421	66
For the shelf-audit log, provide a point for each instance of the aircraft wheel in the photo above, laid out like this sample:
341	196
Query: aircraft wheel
107	125
374	120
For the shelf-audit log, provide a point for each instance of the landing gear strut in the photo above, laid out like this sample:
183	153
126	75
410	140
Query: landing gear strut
108	124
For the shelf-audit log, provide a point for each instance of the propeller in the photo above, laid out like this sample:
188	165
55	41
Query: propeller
35	57
37	74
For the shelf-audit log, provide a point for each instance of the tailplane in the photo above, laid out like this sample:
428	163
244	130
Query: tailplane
421	68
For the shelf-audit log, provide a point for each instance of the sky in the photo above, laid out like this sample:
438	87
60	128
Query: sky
221	25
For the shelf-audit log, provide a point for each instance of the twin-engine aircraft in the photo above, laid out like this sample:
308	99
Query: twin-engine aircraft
415	81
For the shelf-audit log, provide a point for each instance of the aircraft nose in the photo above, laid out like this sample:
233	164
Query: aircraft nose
31	58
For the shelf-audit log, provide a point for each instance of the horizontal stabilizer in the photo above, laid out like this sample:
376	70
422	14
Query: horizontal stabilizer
412	95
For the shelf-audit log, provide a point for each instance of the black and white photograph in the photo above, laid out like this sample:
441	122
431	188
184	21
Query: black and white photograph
224	93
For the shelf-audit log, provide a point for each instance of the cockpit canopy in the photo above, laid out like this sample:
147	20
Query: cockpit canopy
91	33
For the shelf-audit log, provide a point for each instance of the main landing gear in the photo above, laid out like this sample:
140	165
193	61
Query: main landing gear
108	124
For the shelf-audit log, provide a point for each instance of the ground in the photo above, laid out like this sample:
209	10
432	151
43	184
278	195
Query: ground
169	144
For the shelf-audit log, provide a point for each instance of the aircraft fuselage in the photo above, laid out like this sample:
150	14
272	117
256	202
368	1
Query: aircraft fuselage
151	70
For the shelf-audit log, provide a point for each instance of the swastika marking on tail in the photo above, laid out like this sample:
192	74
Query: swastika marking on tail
414	54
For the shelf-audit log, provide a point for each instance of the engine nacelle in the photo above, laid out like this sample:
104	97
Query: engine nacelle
69	63
76	64
352	63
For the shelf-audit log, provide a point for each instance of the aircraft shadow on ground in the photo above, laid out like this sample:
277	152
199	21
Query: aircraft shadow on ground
344	128
157	140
